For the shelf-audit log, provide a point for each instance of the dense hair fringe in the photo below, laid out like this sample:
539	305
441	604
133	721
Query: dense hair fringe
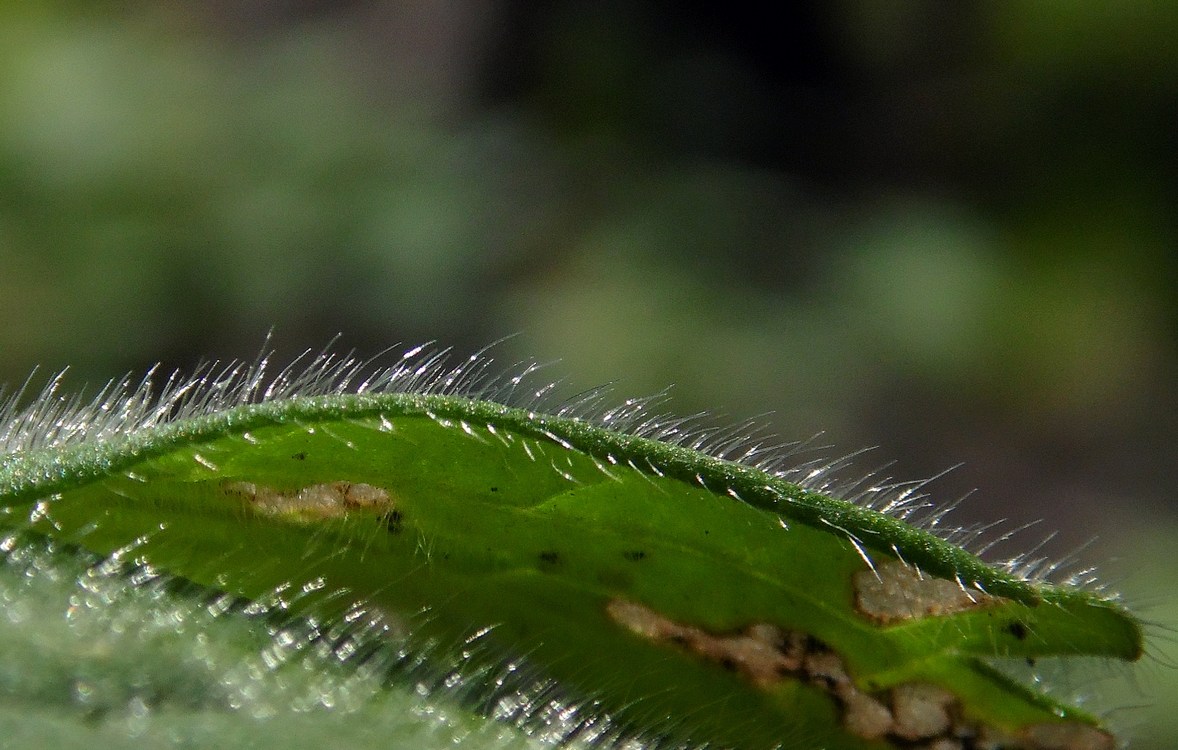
52	419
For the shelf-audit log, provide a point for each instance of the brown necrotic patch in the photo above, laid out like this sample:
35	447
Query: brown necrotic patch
894	591
316	501
916	716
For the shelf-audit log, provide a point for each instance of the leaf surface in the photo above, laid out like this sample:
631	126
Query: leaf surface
560	574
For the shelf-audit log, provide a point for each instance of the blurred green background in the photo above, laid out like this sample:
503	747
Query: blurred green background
947	230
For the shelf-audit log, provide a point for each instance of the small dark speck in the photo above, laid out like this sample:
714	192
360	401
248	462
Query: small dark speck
634	555
1018	630
551	557
393	521
300	456
494	489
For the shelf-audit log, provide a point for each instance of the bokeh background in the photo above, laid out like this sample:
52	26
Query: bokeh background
947	230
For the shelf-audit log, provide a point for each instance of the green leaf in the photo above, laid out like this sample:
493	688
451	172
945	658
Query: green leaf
593	574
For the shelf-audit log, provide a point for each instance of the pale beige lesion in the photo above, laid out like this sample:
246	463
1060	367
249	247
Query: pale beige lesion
762	653
916	716
313	502
894	591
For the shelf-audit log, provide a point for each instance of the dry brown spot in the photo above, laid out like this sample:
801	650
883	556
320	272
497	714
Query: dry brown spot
827	667
316	501
864	716
1068	736
895	591
992	738
921	711
640	620
760	653
917	716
